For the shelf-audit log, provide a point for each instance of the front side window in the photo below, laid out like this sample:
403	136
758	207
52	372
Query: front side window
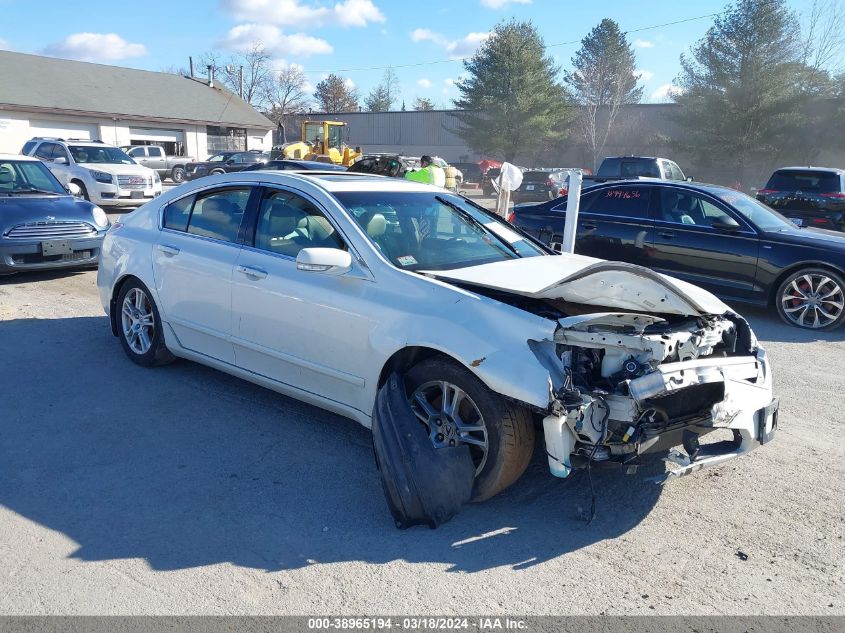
28	176
103	155
45	151
419	231
138	152
218	158
686	207
626	202
287	223
218	214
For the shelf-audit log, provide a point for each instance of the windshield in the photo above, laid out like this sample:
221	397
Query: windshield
432	231
219	157
760	215
105	154
22	176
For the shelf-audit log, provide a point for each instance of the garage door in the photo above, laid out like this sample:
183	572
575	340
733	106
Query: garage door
154	135
63	129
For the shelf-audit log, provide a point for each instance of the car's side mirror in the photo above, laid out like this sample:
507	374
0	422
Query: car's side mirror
61	160
726	224
689	179
231	161
74	189
330	261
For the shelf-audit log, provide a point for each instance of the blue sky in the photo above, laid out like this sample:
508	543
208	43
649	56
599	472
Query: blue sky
336	35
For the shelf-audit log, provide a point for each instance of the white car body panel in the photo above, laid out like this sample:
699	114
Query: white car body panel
327	339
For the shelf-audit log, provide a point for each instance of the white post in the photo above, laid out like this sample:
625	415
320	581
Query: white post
573	199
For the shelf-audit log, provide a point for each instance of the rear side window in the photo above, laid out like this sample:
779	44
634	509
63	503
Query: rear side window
627	202
809	181
218	214
177	213
155	151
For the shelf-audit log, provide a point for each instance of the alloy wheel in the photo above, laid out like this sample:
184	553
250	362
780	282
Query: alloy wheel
813	300
138	321
451	417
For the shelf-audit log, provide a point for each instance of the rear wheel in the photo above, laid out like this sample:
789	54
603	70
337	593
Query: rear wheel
216	172
139	326
812	298
455	407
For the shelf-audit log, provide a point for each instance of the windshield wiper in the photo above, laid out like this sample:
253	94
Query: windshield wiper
466	215
33	190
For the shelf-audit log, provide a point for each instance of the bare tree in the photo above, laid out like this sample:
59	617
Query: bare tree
824	37
423	103
252	66
335	94
603	80
286	94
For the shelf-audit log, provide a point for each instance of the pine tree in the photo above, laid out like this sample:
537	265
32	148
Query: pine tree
511	100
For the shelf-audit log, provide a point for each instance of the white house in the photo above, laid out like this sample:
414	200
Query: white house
45	96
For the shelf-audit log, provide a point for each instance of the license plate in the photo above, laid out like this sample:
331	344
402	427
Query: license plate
529	187
57	247
136	194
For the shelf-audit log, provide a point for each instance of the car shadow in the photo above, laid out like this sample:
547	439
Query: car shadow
185	466
768	326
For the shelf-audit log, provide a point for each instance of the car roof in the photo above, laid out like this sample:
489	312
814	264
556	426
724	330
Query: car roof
834	170
19	157
330	181
659	182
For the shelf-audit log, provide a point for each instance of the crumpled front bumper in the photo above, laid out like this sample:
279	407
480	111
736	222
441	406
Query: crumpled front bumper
748	409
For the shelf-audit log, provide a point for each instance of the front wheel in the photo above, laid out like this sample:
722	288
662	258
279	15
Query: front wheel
139	326
455	407
812	298
177	175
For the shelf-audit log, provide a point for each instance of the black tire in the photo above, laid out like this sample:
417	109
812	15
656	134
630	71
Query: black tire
157	353
510	428
825	308
84	191
216	172
177	175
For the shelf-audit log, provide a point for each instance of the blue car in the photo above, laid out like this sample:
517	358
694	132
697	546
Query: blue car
43	226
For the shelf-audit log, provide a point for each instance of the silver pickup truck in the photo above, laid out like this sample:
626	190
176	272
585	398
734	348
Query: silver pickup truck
154	157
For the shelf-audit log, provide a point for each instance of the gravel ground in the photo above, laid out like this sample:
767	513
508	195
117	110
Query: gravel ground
181	490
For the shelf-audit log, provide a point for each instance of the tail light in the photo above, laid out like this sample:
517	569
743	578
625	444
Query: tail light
766	192
510	216
837	196
564	191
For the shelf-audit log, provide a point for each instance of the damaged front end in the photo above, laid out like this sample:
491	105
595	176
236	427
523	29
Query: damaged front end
624	384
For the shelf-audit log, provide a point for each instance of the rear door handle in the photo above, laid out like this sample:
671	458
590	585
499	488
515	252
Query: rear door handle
170	251
668	235
251	272
589	226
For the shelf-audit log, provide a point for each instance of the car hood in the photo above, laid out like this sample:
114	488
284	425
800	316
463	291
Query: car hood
30	208
589	281
818	238
119	170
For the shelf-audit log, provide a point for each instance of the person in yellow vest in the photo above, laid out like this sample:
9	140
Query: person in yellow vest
428	173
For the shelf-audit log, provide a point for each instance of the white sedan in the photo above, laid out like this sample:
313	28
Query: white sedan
322	285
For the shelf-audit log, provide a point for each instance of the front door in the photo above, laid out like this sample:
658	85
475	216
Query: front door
308	330
690	245
193	263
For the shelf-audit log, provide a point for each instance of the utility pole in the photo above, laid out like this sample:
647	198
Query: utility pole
241	81
191	65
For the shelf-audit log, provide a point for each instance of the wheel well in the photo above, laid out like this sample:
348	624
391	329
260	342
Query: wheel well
177	167
78	182
407	357
773	289
113	301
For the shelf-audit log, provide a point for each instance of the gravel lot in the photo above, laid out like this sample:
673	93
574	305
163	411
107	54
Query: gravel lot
181	490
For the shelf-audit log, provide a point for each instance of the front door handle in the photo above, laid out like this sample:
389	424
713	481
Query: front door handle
252	272
170	251
667	235
589	226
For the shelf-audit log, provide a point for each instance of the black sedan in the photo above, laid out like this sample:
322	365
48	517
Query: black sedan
223	163
41	225
809	196
537	186
711	236
289	164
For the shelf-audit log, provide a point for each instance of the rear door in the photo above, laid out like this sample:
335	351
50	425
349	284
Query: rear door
193	264
156	159
688	246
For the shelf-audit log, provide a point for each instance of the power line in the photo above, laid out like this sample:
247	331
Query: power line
461	59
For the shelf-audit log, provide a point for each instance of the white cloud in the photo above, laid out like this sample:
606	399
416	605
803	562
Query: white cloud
305	15
350	85
449	81
244	36
643	44
645	75
424	83
4	45
664	93
499	4
463	47
91	47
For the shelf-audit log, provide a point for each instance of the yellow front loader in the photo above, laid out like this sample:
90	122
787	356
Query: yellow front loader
323	141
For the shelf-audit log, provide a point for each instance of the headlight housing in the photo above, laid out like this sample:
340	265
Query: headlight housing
101	176
100	217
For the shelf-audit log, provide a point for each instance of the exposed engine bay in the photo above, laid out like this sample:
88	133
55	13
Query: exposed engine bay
626	383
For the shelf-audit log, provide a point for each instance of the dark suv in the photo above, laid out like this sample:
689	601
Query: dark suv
223	163
809	196
537	186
